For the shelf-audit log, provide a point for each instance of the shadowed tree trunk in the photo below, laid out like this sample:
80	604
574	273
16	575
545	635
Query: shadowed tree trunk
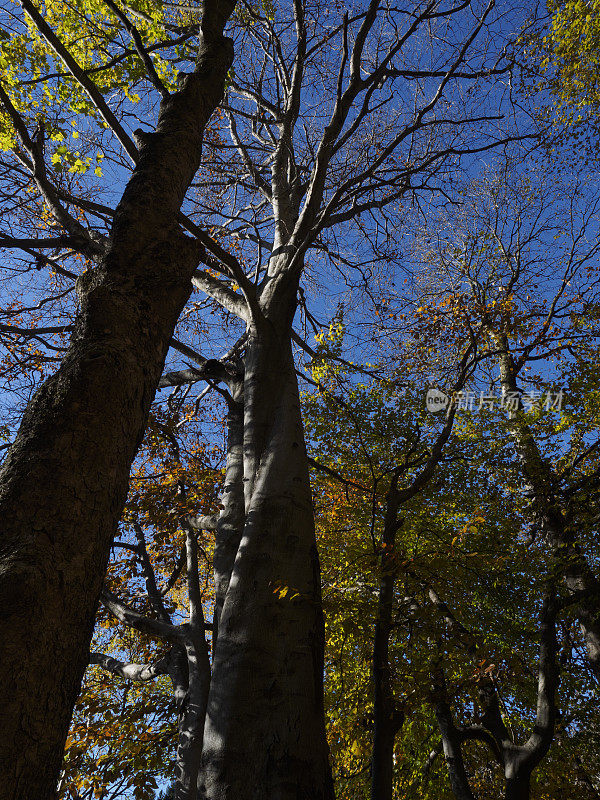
64	482
264	734
518	788
388	718
451	738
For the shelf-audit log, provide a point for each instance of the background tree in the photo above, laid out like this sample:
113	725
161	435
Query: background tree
522	259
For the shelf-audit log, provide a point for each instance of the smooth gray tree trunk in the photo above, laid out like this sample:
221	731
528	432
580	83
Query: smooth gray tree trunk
231	520
264	737
451	739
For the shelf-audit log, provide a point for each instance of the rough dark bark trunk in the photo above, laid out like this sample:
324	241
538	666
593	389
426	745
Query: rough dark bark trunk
64	482
388	718
382	762
264	735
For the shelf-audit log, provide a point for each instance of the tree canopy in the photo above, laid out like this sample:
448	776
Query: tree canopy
300	434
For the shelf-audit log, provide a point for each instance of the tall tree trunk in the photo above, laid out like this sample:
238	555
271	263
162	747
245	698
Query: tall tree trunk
264	737
388	718
64	483
191	729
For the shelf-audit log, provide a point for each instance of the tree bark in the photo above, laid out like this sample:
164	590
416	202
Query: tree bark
264	736
231	520
519	761
388	718
451	738
64	483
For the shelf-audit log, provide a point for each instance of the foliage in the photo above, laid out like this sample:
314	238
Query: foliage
572	42
513	252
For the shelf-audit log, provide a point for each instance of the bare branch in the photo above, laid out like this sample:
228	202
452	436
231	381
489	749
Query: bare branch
131	671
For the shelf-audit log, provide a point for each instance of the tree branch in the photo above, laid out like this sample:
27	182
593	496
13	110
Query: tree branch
131	671
80	238
222	294
81	77
140	49
142	623
154	595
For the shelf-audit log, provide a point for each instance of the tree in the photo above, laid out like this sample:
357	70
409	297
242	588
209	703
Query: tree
64	479
423	557
285	198
560	58
528	295
570	46
521	328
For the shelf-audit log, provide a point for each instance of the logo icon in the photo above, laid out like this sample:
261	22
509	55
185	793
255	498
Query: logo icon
436	401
